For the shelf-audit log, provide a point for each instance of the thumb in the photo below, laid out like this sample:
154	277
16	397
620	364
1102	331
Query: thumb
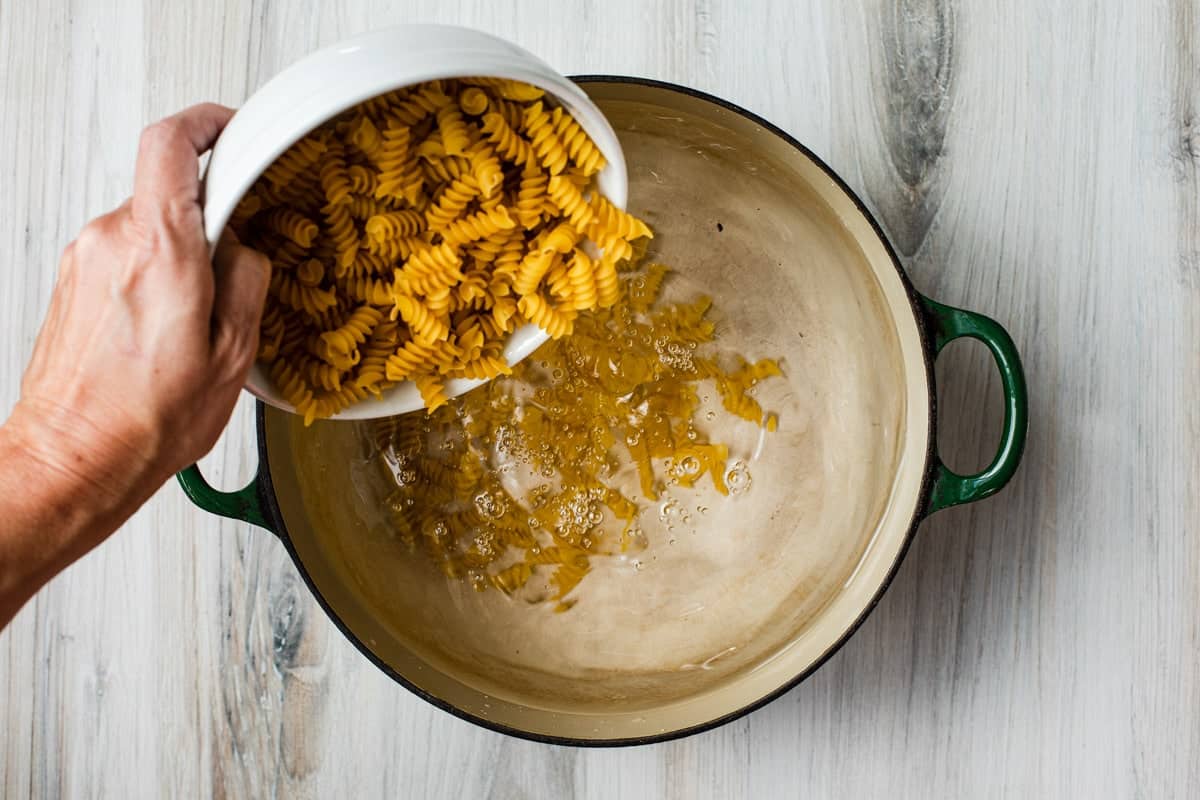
241	276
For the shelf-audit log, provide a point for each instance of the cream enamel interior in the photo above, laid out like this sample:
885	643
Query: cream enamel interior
782	574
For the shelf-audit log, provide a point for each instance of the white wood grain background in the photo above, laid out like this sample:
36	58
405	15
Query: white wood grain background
1036	161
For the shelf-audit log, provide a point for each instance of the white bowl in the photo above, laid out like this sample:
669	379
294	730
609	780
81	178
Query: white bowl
329	81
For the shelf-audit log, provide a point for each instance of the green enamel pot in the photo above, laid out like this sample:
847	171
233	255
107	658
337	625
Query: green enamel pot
759	591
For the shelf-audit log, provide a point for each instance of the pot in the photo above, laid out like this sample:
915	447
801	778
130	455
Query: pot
761	592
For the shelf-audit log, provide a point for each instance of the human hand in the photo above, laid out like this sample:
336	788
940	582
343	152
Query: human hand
147	340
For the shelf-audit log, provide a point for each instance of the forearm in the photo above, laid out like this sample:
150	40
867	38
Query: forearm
52	510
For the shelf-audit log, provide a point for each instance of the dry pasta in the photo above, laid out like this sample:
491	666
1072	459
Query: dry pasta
410	235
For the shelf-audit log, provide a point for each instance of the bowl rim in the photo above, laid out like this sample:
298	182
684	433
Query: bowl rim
267	494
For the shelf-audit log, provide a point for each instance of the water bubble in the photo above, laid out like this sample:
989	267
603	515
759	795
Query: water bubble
668	512
690	465
738	478
711	415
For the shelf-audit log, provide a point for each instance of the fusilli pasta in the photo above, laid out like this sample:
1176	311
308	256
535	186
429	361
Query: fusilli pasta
410	235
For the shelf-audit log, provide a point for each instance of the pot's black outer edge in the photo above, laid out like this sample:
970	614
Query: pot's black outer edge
271	504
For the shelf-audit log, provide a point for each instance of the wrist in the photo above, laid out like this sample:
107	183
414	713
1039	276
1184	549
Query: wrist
49	517
65	454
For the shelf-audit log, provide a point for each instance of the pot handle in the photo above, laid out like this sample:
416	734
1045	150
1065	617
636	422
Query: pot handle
245	504
947	324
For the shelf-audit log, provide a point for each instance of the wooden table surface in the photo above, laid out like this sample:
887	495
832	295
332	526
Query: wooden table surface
1035	161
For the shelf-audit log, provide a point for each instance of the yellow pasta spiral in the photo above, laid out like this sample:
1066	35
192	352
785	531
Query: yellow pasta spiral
319	374
341	229
474	285
393	225
614	247
288	223
299	157
310	273
452	202
570	202
507	141
455	138
607	283
367	263
608	220
354	332
429	269
372	370
445	169
485	166
504	312
362	180
508	89
365	136
582	277
363	208
479	225
329	403
531	270
507	261
483	368
432	391
341	360
366	289
542	136
561	238
407	360
291	385
427	326
302	193
381	105
335	181
473	101
419	105
532	197
312	300
393	250
558	283
580	148
554	321
399	173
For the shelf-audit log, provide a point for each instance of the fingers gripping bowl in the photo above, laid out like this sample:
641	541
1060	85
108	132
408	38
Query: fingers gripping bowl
761	592
318	88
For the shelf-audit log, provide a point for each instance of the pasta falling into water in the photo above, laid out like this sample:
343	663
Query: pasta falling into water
411	235
626	388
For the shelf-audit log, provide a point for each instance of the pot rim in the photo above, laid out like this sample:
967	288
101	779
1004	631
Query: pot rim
267	497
